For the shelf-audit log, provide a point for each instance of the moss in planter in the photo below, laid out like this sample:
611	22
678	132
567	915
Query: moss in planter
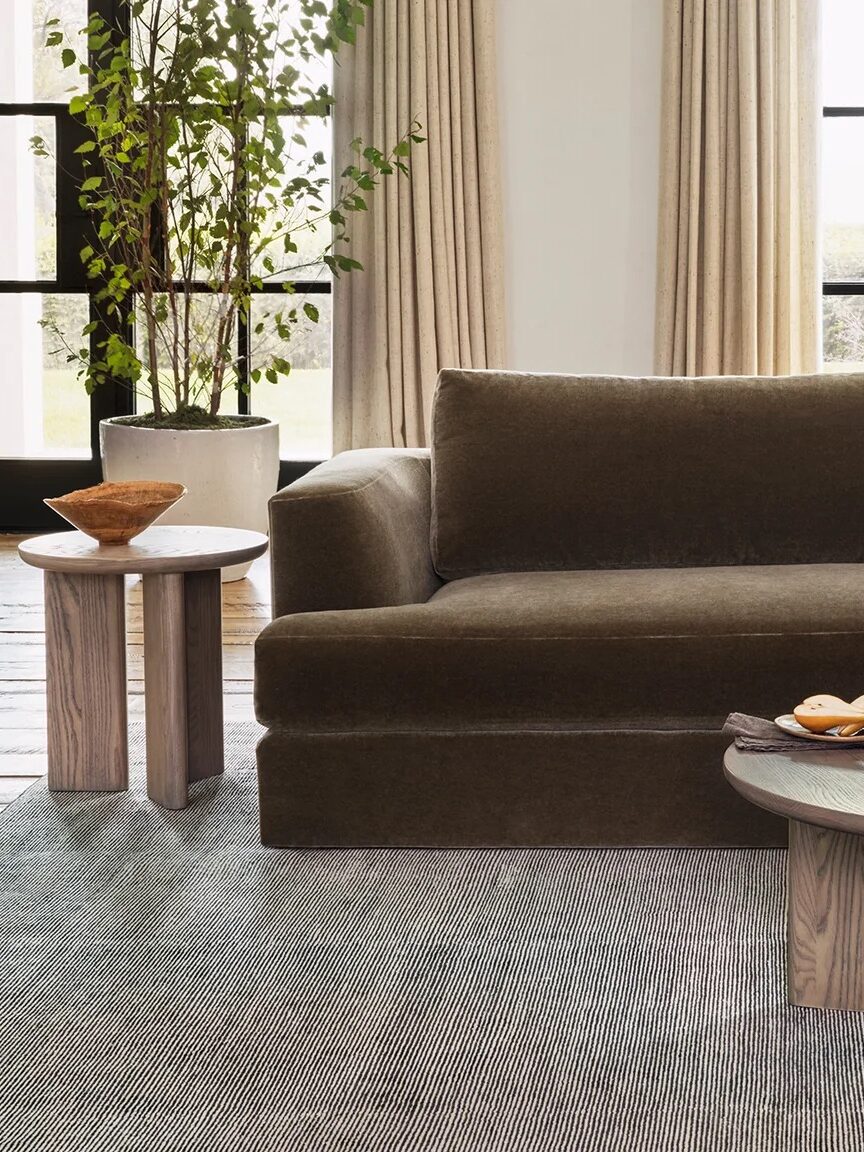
190	420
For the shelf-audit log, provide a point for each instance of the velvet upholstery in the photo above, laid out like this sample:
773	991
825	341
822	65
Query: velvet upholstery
544	472
353	533
535	649
553	788
620	563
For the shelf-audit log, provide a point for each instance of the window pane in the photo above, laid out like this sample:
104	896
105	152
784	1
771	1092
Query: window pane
204	317
289	16
304	138
201	209
313	136
301	403
843	333
315	72
28	196
46	410
28	70
842	37
843	204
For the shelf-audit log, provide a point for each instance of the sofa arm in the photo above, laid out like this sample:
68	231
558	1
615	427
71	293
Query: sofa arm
354	533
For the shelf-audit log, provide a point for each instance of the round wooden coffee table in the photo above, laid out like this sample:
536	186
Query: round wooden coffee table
822	795
85	649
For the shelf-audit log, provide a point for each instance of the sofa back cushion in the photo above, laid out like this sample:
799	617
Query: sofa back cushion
534	472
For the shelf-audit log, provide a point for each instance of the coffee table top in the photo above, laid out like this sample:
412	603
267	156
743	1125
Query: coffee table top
166	548
820	787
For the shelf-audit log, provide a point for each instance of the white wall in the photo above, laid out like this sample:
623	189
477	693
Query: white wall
580	115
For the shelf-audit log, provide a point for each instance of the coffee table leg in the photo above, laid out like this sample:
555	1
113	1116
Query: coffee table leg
183	682
85	650
825	926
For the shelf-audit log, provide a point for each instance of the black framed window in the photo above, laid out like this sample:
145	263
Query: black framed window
49	432
842	183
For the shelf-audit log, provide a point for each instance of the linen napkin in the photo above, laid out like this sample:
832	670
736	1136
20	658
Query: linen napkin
753	734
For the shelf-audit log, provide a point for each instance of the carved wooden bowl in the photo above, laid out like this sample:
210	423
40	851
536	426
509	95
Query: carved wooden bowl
117	513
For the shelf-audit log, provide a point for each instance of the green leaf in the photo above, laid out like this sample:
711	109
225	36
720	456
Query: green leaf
311	311
68	57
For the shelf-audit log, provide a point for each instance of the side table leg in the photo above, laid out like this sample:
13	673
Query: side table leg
183	682
205	737
85	649
165	706
825	925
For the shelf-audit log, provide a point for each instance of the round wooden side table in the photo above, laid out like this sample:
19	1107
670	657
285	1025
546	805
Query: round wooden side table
85	649
822	795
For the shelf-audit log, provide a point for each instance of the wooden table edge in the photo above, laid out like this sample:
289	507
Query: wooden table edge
793	809
91	565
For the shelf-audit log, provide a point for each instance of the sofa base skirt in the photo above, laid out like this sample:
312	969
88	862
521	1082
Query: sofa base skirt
504	789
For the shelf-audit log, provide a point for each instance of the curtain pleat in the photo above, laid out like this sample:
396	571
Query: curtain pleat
738	284
431	294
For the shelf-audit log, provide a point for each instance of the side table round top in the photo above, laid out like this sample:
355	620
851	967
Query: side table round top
824	788
167	548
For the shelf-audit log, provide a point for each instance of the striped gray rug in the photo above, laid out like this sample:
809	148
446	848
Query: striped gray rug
167	984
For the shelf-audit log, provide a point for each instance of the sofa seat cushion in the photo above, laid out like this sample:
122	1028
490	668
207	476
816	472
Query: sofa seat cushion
538	649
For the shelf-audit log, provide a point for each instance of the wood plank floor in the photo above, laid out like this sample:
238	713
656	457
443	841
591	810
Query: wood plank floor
245	611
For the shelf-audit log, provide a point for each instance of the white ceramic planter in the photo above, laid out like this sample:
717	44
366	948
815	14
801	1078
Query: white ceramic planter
230	473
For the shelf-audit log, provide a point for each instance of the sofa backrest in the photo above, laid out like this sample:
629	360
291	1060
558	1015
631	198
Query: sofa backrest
533	472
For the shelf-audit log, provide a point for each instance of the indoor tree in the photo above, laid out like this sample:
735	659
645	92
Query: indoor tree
199	184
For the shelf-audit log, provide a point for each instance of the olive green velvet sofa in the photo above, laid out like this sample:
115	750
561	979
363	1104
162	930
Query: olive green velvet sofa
531	635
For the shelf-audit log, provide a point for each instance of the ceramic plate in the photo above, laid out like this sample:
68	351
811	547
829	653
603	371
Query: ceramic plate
790	724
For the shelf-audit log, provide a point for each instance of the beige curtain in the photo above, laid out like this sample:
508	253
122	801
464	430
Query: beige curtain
431	293
738	287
